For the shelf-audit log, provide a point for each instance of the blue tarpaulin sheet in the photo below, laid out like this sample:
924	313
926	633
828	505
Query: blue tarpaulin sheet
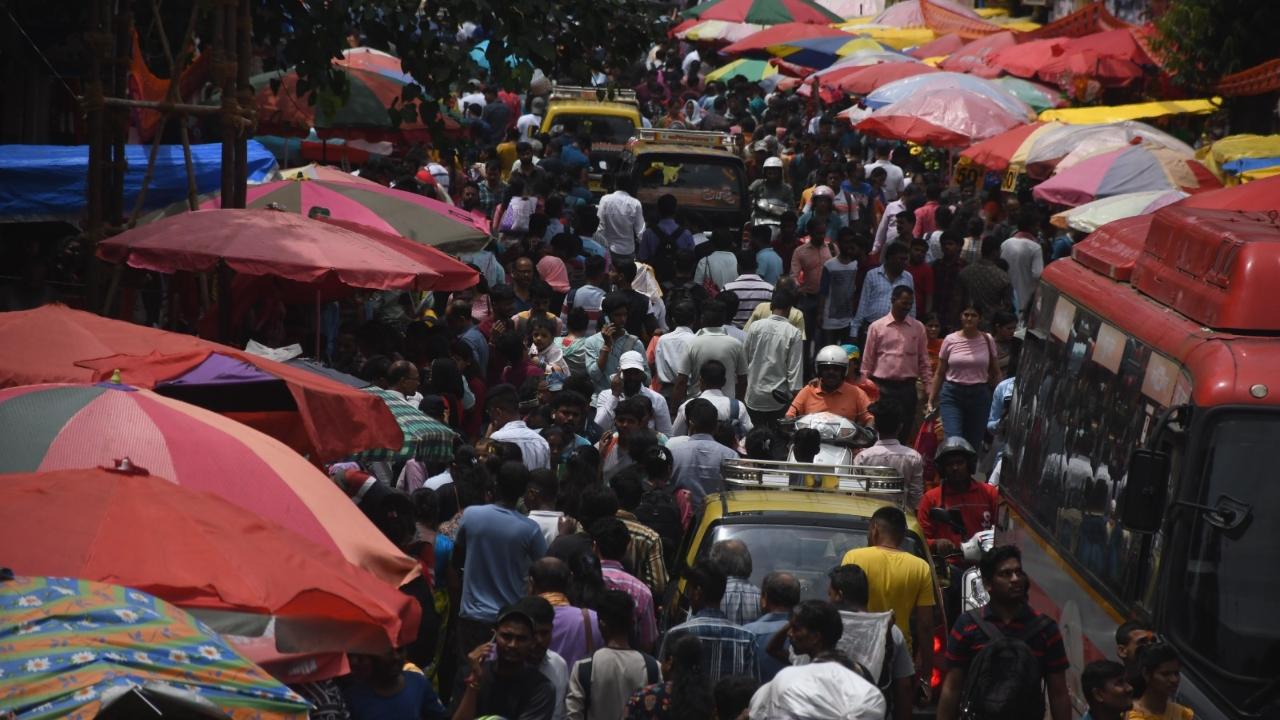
48	182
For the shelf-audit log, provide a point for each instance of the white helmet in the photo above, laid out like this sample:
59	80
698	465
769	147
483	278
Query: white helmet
832	355
823	191
773	162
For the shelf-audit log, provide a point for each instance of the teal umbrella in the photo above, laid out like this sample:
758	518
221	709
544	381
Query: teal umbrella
1039	97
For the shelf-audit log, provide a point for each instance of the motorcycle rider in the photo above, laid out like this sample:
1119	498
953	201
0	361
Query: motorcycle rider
771	186
829	392
977	502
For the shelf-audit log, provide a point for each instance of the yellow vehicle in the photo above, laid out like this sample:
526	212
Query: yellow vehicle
609	123
701	169
790	527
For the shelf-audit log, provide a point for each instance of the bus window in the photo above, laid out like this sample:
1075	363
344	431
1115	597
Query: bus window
1225	601
1079	411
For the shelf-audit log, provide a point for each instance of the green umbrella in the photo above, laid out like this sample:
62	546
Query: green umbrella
1039	97
763	12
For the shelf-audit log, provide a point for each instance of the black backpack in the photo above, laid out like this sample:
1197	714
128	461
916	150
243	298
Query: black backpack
663	260
1004	680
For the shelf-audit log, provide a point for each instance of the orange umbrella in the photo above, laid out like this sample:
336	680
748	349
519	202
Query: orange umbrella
201	553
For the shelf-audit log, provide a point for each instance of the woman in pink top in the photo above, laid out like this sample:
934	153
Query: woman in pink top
967	371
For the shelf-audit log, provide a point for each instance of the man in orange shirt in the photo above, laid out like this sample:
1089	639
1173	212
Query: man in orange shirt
830	393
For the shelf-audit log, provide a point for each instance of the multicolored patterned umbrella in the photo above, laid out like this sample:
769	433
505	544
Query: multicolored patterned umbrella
996	153
1127	170
425	438
53	427
821	52
927	84
763	12
1045	150
68	647
406	214
721	31
946	117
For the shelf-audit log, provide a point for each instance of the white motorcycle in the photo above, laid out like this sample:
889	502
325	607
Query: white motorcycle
839	439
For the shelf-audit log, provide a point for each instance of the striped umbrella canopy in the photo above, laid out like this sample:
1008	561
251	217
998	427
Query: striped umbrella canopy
406	214
908	13
695	30
758	44
926	84
73	648
996	153
1093	215
1038	96
242	574
1135	168
763	12
753	70
61	426
821	52
425	438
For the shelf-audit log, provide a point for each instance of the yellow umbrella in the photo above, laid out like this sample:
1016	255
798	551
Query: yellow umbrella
935	61
1137	111
1236	147
752	70
898	38
991	12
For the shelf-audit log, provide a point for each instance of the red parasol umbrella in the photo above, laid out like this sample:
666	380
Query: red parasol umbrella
910	13
995	152
942	46
269	243
975	58
315	416
943	117
453	273
1112	58
763	12
1025	59
238	570
778	34
862	80
58	427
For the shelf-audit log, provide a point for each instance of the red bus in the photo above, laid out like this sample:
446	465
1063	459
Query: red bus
1142	436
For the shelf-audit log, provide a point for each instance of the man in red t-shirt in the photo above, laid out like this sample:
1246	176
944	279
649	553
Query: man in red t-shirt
977	502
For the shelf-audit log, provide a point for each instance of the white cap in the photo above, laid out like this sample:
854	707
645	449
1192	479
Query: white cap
773	162
440	173
632	360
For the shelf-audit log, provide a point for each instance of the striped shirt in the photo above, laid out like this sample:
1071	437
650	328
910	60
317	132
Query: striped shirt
741	601
616	578
877	291
727	649
751	291
967	638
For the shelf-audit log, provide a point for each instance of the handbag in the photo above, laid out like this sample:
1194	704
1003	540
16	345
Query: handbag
993	362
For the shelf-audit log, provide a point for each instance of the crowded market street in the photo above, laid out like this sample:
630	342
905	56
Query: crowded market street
640	360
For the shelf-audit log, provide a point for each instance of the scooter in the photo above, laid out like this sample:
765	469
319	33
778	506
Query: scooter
768	211
971	592
831	440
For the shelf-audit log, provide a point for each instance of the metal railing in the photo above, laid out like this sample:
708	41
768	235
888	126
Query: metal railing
592	94
869	481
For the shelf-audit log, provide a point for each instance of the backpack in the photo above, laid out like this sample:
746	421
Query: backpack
659	512
652	675
1004	680
664	253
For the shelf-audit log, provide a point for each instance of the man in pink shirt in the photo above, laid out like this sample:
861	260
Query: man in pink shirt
896	356
926	215
806	268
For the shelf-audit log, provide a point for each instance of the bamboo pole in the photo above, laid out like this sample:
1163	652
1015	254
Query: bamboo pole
244	98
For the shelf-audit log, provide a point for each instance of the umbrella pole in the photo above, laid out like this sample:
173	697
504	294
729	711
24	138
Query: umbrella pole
318	325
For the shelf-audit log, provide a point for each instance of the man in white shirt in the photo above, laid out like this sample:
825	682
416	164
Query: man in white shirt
529	123
894	180
633	372
711	343
721	266
729	409
621	219
775	358
1026	262
750	288
504	411
474	96
672	345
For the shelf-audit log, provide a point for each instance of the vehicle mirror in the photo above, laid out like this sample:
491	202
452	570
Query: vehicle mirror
957	522
1144	491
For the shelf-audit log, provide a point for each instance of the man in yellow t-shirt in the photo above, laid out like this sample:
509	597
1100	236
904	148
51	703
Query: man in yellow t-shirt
899	581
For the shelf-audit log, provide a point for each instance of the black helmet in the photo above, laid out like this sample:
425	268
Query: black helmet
956	445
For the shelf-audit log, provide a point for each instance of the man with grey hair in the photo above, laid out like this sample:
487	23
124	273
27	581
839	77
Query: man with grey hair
779	594
741	603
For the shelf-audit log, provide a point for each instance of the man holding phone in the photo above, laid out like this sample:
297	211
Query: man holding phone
603	351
